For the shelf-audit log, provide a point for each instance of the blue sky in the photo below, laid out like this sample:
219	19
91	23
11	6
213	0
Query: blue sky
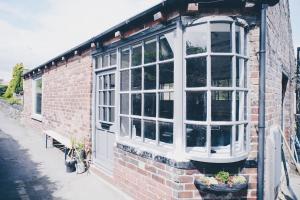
34	31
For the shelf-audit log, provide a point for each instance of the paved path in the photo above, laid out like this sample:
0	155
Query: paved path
29	171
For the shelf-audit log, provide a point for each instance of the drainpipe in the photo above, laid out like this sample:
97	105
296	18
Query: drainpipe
261	111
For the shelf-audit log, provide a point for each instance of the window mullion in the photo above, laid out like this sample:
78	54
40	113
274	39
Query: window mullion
208	98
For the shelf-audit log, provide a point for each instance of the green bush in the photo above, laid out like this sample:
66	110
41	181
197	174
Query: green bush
13	101
222	176
16	83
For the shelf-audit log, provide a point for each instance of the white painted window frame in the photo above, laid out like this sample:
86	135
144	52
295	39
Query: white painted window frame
34	115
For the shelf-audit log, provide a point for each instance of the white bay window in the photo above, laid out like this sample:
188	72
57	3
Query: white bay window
203	110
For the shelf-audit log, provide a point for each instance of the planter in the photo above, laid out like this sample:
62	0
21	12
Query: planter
70	166
220	188
80	167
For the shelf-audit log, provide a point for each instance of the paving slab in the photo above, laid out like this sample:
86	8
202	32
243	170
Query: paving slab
30	171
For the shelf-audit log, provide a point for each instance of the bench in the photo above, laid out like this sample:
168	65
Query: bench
65	141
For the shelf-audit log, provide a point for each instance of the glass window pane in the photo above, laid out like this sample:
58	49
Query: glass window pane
166	105
220	37
221	71
237	105
195	135
98	62
105	59
106	80
111	114
238	44
196	39
124	102
166	46
220	136
136	104
245	106
245	136
124	126
112	98
166	132
239	72
38	103
150	52
125	58
136	127
150	77
125	80
136	56
104	110
196	72
100	83
105	98
245	74
100	98
166	75
112	81
100	113
113	59
221	106
149	129
196	106
150	104
136	79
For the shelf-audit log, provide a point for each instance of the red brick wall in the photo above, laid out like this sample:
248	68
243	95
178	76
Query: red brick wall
66	104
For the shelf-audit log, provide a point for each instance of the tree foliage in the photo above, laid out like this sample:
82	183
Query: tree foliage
16	83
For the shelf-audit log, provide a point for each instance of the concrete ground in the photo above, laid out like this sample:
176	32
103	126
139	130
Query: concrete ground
29	171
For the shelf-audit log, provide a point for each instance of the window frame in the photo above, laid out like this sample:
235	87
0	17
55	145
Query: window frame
142	91
204	153
35	115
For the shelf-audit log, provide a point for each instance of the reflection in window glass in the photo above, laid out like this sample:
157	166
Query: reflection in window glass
124	126
98	61
149	129
112	98
221	105
220	136
105	98
196	72
165	132
105	59
136	104
238	44
221	71
196	106
196	39
125	80
150	77
111	114
166	75
136	127
38	96
124	102
112	81
166	104
136	79
125	58
105	81
150	51
166	46
150	104
195	135
237	106
136	57
221	37
245	105
104	110
113	59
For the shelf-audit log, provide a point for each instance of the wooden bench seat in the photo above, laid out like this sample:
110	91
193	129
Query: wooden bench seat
65	141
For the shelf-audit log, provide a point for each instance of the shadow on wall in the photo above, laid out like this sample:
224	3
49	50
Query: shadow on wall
19	175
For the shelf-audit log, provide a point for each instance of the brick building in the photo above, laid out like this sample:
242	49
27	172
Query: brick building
172	94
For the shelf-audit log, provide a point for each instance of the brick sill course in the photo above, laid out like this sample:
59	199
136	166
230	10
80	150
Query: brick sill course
187	165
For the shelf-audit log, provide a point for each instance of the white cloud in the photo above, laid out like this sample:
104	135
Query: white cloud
62	26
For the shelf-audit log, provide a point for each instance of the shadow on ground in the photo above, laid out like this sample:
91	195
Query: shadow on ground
19	175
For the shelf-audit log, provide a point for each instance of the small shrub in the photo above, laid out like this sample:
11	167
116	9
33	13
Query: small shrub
222	176
3	88
13	101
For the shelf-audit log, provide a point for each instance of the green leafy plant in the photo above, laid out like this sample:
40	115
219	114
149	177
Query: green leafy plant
13	101
3	88
222	176
16	83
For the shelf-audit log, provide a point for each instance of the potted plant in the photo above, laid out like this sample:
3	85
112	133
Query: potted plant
79	150
222	182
